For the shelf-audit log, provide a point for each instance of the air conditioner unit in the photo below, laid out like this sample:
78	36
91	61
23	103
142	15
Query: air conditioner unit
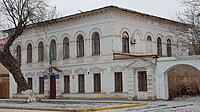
133	41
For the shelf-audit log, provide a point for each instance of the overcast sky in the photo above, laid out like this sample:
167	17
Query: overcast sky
161	8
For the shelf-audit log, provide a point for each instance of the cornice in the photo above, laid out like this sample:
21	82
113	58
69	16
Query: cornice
108	9
71	18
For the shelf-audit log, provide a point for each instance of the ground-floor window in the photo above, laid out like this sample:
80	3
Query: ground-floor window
41	85
97	82
142	81
118	82
81	83
30	83
67	84
18	89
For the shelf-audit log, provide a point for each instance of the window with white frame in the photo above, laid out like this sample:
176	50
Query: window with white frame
159	46
41	52
53	50
142	81
125	42
65	48
169	49
149	44
80	46
95	44
29	53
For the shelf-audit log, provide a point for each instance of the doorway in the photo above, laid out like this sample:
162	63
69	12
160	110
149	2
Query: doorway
183	80
4	87
52	86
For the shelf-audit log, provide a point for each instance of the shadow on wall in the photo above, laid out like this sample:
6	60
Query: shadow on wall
183	80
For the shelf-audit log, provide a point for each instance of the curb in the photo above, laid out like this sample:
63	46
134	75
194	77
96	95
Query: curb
114	107
169	107
81	110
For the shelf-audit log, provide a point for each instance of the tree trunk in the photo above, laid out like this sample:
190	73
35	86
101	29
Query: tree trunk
13	66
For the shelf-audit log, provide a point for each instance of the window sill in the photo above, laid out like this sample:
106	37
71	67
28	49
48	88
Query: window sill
66	58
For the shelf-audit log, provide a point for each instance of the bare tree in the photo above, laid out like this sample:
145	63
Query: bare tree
191	31
18	14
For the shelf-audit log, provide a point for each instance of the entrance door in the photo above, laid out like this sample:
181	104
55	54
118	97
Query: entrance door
4	88
52	87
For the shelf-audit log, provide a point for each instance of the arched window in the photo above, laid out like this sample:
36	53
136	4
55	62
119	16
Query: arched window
53	50
159	46
65	48
125	42
169	49
41	52
149	38
149	44
19	53
29	53
80	46
95	44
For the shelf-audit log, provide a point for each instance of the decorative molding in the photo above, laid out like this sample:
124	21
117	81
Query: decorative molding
39	73
96	70
29	74
67	72
117	69
140	64
80	71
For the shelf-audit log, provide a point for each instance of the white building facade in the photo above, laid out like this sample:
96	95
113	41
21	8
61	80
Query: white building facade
109	52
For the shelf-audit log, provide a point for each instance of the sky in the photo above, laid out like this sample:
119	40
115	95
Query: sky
161	8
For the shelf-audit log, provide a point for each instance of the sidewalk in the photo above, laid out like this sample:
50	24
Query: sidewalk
67	105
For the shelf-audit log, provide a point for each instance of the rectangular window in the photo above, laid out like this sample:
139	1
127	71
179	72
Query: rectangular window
81	83
41	85
30	83
118	82
97	82
142	81
67	84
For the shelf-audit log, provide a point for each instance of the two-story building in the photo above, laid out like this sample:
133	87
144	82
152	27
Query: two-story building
109	52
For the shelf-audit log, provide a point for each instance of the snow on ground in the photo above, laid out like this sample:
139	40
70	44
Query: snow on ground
12	110
58	104
183	104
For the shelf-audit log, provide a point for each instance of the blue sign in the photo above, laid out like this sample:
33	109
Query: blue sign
45	77
56	76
